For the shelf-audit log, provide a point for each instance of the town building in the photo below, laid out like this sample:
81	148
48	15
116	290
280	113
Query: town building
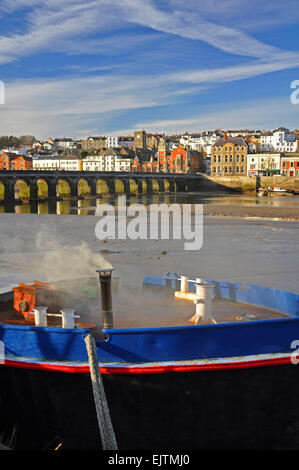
179	160
290	165
46	162
229	157
112	142
140	140
126	141
21	162
263	164
92	163
152	141
280	140
5	159
63	143
185	161
110	159
71	163
120	141
147	166
201	142
93	144
13	161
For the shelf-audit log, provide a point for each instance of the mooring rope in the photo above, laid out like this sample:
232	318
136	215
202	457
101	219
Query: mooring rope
102	409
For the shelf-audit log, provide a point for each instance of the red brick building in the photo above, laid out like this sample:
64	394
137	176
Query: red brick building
145	167
179	160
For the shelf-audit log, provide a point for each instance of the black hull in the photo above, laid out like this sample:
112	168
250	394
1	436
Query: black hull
253	408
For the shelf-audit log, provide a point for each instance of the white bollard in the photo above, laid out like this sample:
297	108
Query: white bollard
184	283
40	315
203	302
198	282
68	317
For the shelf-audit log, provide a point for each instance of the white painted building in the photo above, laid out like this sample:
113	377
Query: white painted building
71	163
123	164
281	140
203	141
92	163
108	161
112	142
46	163
64	143
263	163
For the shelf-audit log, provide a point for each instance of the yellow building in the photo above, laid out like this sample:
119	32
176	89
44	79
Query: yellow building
229	157
93	144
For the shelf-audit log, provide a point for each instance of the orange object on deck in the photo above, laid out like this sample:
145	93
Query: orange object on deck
25	297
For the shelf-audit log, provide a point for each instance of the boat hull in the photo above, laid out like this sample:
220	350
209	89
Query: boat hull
220	386
228	408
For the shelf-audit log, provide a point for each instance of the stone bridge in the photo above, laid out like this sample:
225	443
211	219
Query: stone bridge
53	184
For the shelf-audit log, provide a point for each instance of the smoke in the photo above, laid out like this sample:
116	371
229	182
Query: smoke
60	261
49	254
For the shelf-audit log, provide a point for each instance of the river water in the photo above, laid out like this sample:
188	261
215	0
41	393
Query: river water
88	205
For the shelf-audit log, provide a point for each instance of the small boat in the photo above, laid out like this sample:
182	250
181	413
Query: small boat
275	191
224	377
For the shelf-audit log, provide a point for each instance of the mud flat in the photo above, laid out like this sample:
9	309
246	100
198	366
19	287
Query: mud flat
253	211
236	249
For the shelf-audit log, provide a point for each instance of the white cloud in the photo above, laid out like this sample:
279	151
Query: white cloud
68	105
51	24
265	114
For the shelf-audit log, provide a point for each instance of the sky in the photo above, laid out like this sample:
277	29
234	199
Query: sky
75	68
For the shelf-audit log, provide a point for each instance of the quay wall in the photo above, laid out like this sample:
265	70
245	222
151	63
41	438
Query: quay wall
249	184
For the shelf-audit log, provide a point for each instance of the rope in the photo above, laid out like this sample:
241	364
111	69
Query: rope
102	409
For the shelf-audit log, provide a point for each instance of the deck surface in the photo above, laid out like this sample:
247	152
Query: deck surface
140	308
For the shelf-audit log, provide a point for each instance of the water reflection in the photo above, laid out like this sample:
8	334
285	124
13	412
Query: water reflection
88	205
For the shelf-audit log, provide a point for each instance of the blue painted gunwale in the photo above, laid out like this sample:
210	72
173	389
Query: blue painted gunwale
129	347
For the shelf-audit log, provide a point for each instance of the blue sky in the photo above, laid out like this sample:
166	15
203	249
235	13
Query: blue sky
74	68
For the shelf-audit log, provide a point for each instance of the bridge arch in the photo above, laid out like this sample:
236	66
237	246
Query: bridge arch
119	186
133	186
2	190
166	185
42	188
143	186
63	187
22	189
102	186
155	185
83	186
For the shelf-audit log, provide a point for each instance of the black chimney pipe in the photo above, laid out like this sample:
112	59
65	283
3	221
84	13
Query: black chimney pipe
106	296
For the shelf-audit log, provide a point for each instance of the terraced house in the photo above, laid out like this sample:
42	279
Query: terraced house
13	161
229	157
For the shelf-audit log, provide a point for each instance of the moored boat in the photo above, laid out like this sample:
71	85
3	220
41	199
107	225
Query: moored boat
229	383
275	191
